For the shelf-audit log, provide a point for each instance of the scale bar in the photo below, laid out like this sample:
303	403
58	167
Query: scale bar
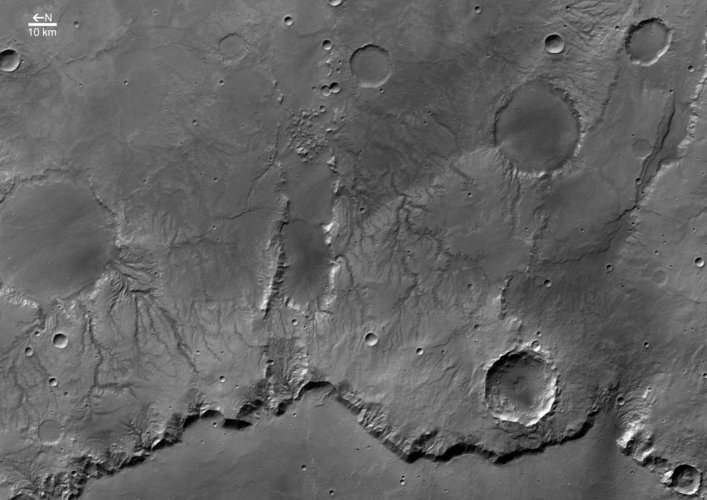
41	24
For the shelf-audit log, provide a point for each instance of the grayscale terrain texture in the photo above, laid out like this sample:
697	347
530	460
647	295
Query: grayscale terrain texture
361	249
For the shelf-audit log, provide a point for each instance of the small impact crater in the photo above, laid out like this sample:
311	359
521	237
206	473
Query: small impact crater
60	340
537	130
9	60
521	387
371	65
554	43
647	41
685	479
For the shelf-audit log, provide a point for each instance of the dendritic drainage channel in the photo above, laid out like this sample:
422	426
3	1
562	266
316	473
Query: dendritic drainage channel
481	223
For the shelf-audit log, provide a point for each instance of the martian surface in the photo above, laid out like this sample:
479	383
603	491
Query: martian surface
354	249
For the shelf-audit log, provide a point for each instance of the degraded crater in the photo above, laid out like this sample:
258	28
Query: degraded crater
647	41
56	239
685	479
537	130
371	65
521	387
232	47
49	431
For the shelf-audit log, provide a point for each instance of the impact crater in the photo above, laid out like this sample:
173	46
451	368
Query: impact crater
537	130
521	387
371	65
56	239
647	41
686	479
9	60
49	431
